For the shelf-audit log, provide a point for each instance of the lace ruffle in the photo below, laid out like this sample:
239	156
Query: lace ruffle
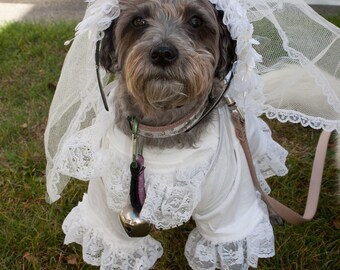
299	118
98	251
204	254
116	177
78	157
246	83
100	17
170	205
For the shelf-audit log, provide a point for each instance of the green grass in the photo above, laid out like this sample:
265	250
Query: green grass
30	229
334	19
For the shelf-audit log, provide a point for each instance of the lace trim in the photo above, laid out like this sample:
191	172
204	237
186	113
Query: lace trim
97	251
168	206
99	18
116	179
284	116
246	82
204	254
78	157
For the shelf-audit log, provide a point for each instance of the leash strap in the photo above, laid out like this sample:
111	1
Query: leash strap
282	210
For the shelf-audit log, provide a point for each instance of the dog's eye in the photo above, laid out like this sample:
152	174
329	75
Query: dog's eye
139	22
195	22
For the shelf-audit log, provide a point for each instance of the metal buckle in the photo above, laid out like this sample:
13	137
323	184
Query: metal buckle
235	110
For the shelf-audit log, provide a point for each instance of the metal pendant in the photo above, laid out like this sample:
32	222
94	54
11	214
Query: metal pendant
133	225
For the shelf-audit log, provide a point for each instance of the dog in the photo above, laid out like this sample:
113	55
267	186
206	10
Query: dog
170	59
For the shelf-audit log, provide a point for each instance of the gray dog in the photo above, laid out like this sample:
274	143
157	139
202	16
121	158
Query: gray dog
170	60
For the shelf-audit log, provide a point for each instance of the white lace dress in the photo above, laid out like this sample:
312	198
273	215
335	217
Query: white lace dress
210	183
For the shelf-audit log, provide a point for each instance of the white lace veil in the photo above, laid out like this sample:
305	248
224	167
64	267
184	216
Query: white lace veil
297	79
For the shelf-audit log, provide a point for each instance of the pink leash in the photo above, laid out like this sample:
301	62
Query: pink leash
283	211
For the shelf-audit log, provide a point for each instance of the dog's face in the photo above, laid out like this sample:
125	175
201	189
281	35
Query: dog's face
167	52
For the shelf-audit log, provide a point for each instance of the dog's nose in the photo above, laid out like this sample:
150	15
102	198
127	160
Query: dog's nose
164	55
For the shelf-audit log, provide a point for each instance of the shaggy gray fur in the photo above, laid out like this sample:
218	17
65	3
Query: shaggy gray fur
169	57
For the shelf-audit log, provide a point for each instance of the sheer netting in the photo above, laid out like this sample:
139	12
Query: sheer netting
301	63
74	106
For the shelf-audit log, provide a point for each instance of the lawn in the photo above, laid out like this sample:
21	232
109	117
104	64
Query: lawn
30	229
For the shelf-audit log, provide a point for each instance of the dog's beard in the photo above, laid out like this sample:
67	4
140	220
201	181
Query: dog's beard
163	94
157	89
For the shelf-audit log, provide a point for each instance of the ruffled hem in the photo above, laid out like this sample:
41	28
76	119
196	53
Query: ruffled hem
205	254
100	252
295	117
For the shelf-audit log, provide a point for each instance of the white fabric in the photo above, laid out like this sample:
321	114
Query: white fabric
208	183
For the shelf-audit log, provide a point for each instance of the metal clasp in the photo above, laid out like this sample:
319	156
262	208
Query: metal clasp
234	108
134	138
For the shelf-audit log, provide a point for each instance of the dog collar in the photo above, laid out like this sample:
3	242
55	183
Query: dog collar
178	127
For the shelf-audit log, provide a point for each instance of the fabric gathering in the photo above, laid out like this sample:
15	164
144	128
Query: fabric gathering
283	49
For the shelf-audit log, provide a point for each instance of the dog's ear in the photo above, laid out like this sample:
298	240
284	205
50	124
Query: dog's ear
227	49
107	53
